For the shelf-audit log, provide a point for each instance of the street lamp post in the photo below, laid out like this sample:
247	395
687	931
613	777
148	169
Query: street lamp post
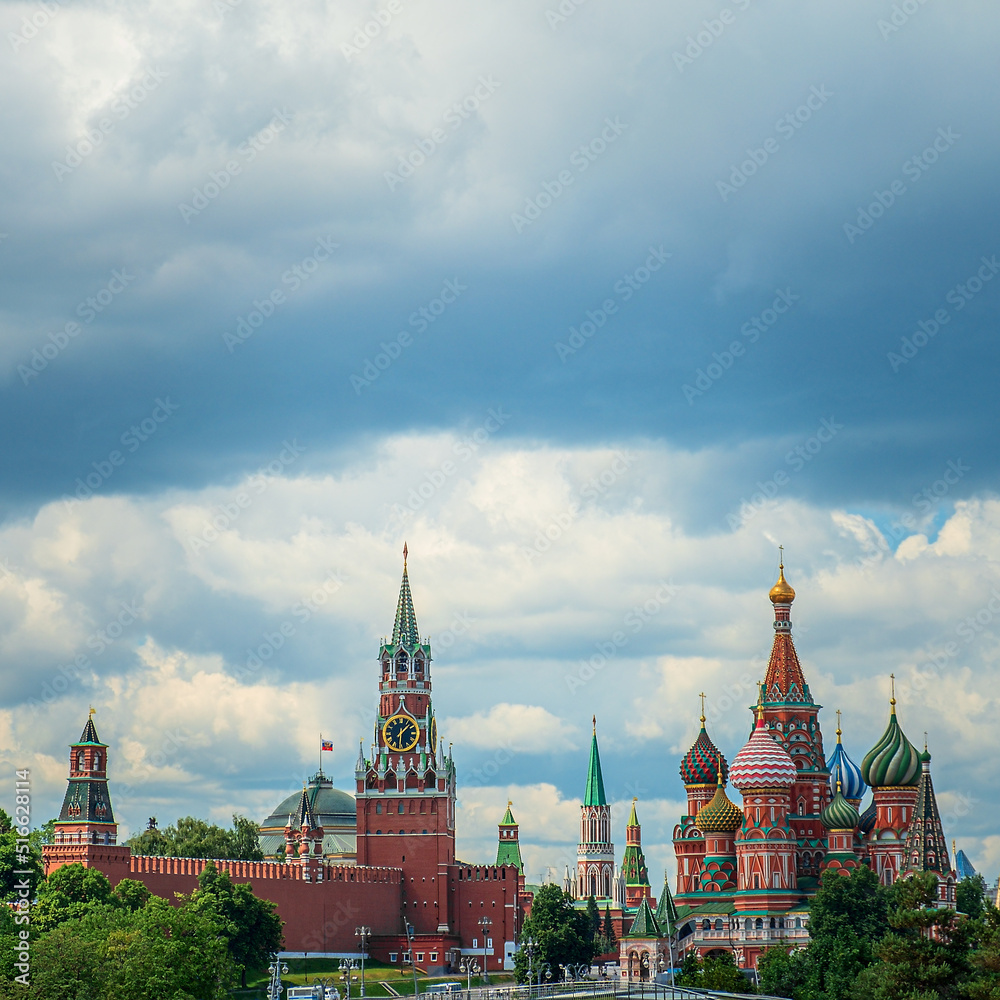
468	966
485	923
347	966
274	988
413	954
529	947
363	934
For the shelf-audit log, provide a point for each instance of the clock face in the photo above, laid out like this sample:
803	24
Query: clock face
434	734
400	733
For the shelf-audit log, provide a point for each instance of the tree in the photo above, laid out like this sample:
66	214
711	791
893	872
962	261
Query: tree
609	930
251	925
970	896
926	955
70	892
561	934
782	973
130	894
17	856
719	973
194	838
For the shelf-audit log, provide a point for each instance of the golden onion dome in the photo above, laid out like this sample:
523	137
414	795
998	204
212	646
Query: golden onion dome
782	592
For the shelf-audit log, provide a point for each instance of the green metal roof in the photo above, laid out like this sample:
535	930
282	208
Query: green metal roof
644	925
404	629
595	795
666	910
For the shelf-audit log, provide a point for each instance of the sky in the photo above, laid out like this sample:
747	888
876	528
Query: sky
594	305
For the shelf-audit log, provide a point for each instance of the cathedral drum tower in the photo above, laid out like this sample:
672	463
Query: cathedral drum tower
406	791
791	717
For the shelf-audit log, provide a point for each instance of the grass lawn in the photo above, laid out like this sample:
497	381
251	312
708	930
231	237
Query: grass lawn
305	971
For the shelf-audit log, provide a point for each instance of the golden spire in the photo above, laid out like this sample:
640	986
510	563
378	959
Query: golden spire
509	803
782	592
760	700
892	693
702	696
90	714
594	720
838	786
404	556
925	741
718	780
838	725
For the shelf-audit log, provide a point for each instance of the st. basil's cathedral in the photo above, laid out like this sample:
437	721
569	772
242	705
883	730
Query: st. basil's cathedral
385	857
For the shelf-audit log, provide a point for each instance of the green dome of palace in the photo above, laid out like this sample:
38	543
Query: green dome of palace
334	810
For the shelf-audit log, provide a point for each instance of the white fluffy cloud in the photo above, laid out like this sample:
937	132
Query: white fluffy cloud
545	604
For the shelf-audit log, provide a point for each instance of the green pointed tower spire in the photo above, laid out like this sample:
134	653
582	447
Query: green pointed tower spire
508	849
666	910
404	629
595	795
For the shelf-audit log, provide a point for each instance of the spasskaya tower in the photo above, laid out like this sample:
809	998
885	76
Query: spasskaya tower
406	790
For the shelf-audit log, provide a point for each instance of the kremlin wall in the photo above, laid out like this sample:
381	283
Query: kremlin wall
745	871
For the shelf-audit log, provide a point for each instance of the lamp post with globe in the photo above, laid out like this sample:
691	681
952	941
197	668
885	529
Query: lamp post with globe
485	923
274	988
469	965
363	934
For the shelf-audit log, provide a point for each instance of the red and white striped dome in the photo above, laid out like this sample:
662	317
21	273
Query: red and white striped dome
762	763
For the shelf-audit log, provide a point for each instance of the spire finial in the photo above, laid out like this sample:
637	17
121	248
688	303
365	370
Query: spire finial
405	553
892	693
781	557
702	696
760	701
509	803
90	714
718	780
838	725
594	720
925	741
838	786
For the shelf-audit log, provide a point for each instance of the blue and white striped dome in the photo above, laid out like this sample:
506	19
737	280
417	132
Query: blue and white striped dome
843	769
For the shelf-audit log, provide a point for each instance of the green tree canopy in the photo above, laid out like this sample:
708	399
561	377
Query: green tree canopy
251	926
70	892
560	934
194	838
970	896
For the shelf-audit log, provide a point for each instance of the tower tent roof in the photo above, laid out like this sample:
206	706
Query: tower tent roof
89	735
595	795
508	817
926	850
404	629
666	909
644	925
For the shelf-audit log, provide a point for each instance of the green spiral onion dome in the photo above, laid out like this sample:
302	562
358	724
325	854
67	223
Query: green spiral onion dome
700	765
839	814
720	815
893	762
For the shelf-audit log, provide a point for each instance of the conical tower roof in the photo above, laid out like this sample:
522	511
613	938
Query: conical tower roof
304	814
784	680
595	795
926	849
666	910
893	762
404	629
634	861
89	734
508	816
508	848
644	925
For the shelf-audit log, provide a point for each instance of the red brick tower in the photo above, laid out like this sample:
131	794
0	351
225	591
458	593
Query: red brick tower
86	831
406	791
791	717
